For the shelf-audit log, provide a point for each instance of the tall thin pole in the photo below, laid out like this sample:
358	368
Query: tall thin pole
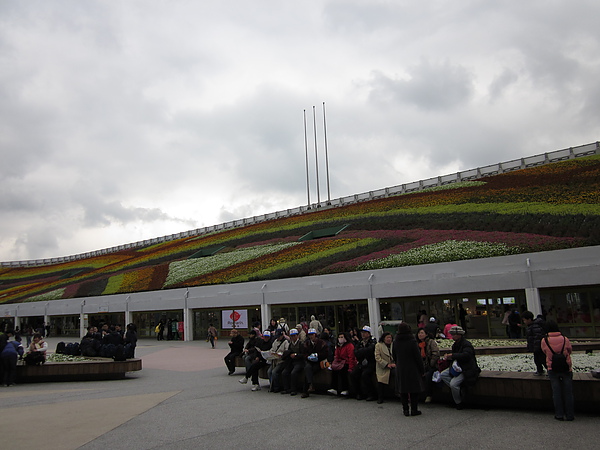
326	156
316	155
306	153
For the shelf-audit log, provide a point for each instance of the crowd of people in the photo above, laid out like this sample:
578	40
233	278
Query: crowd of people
360	366
364	369
12	349
109	341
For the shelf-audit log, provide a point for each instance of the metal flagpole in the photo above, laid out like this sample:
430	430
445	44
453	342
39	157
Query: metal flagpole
326	157
306	152
316	156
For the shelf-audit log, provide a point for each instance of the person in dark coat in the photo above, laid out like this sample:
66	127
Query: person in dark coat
236	347
535	333
315	350
362	378
464	354
409	369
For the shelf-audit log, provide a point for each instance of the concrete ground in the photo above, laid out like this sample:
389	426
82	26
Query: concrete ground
183	398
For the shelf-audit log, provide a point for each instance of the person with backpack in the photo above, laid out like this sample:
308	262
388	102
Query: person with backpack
557	349
8	359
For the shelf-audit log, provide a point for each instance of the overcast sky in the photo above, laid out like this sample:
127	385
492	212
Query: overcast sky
127	120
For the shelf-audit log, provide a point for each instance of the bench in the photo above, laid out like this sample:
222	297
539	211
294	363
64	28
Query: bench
89	370
498	389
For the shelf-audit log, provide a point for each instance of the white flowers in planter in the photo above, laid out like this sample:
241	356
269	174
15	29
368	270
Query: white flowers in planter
523	362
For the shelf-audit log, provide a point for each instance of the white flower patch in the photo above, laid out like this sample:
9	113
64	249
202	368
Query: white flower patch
52	295
182	270
523	362
441	252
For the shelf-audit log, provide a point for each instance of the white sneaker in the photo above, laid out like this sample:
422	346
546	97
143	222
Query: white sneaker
244	380
256	387
344	393
332	391
428	399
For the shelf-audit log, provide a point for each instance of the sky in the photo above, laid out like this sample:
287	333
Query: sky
130	120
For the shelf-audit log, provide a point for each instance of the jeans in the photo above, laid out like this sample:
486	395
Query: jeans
562	394
454	383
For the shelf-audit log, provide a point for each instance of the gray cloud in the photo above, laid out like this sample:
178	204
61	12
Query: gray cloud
130	120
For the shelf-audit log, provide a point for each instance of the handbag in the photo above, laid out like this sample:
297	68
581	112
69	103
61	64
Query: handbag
338	364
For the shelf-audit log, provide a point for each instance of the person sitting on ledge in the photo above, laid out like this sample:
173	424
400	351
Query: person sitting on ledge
464	354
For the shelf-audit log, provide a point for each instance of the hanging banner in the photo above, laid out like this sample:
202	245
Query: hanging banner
234	318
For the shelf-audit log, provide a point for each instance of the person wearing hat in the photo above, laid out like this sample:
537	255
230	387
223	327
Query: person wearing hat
279	347
315	351
262	345
362	378
464	354
432	328
293	363
301	333
250	349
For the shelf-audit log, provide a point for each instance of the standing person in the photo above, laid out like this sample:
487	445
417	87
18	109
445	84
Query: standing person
283	326
505	319
432	328
560	371
169	329
514	325
409	370
236	348
464	354
386	365
361	377
535	334
130	339
8	359
272	326
462	314
160	329
430	354
212	334
314	323
175	329
343	363
315	351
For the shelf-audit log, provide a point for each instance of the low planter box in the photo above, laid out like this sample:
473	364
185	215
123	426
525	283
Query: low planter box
92	369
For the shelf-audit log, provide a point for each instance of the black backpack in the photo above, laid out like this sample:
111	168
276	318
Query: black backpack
559	360
60	348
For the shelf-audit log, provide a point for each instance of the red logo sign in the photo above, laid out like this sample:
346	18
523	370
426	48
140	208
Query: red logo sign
235	316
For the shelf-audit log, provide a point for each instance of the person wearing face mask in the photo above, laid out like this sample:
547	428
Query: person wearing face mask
344	361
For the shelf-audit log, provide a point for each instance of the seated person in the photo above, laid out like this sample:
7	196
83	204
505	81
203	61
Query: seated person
37	350
262	345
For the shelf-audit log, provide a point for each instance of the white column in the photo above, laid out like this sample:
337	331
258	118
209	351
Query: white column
374	315
188	327
534	304
82	324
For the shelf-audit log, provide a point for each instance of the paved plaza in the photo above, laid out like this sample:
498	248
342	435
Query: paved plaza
184	399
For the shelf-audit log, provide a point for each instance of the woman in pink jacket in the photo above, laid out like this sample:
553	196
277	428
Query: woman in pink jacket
561	379
344	361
